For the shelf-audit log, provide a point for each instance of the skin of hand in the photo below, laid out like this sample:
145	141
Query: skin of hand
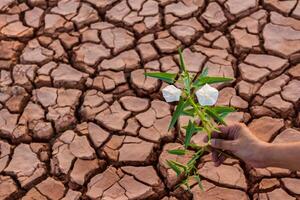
239	140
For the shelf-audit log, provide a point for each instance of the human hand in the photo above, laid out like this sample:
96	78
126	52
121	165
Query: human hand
238	140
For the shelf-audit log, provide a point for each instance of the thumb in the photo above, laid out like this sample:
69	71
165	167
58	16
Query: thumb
222	144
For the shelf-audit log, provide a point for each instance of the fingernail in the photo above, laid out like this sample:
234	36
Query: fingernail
212	142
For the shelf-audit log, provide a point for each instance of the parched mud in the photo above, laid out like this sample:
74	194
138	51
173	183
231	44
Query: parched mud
78	119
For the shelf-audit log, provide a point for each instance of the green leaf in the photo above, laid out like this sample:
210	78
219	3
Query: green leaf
181	60
190	130
194	146
195	157
177	151
222	110
185	75
187	185
174	167
187	83
178	111
183	183
189	112
198	128
223	115
214	115
204	72
179	165
164	76
209	80
198	179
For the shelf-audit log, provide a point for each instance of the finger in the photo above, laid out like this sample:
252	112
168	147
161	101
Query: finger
213	135
234	132
230	132
205	139
218	158
225	130
221	159
222	144
214	156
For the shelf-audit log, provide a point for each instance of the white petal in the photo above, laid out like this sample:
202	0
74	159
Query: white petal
171	93
207	95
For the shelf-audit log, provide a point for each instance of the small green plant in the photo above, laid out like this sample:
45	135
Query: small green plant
196	100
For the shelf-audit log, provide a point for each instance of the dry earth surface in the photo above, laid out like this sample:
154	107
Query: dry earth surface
78	119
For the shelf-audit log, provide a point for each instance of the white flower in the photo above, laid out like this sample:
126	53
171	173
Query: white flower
171	93
207	95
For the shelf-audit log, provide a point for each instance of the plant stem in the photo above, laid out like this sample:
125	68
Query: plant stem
206	124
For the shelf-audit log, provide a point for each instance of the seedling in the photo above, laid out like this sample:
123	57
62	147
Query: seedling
197	100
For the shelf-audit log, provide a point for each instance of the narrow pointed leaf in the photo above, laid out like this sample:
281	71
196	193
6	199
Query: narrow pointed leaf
185	75
197	155
197	177
190	130
174	167
177	151
210	80
204	72
187	83
194	146
215	115
222	110
198	128
178	111
189	112
167	77
181	60
184	127
223	115
178	164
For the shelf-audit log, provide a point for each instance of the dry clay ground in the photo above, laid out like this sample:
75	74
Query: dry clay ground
78	119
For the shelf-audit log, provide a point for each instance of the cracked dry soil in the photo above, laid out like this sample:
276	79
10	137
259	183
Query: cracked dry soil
78	119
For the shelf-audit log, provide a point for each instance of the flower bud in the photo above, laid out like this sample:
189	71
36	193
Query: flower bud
171	93
207	95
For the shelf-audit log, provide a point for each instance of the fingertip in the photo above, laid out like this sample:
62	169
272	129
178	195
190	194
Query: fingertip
214	156
214	134
221	159
217	164
223	129
205	139
213	143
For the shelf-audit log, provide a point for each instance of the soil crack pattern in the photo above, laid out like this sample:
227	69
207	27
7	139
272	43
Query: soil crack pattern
79	120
